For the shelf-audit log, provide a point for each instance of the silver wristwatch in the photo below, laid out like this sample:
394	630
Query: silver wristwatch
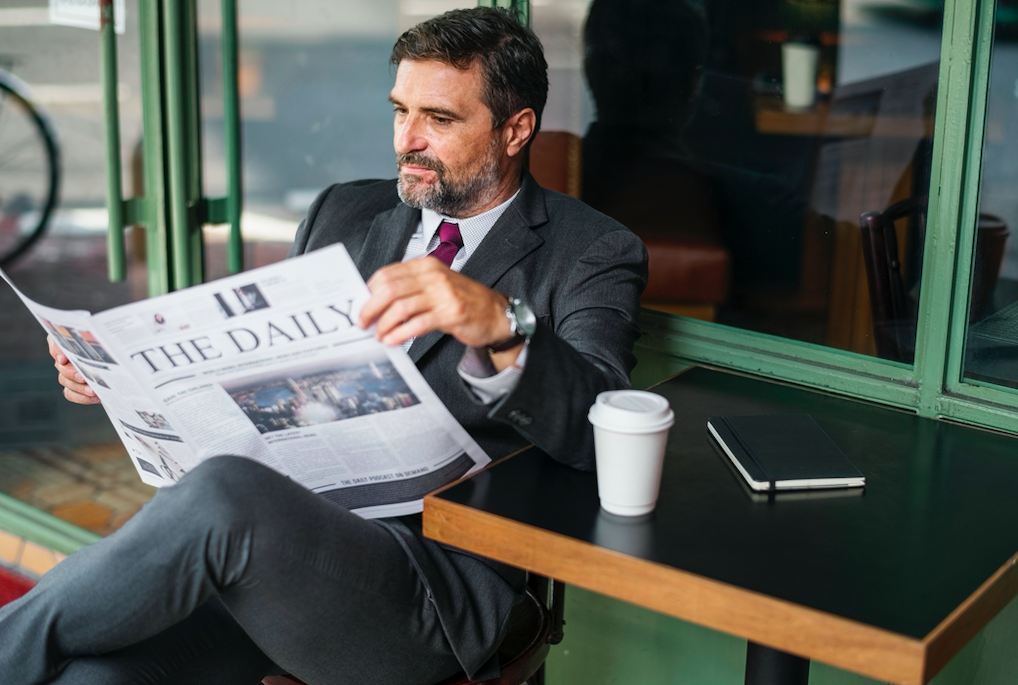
522	324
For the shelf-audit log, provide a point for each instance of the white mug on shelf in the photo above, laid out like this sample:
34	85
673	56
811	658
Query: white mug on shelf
799	73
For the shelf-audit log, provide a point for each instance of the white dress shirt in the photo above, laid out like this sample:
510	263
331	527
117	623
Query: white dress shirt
475	367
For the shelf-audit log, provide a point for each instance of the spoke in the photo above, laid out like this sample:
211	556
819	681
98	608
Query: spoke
4	96
19	148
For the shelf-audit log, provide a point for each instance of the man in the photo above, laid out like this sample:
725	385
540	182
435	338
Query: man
235	572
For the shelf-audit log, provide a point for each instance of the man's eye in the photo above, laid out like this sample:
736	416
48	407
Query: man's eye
442	120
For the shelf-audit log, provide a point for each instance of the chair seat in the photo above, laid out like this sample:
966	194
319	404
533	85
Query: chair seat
523	650
685	268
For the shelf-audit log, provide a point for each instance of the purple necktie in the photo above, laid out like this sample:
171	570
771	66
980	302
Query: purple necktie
451	242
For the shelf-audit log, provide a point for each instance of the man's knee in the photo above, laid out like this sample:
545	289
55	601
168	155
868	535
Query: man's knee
226	469
224	489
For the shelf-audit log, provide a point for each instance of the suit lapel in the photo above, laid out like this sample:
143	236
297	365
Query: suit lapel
387	238
511	239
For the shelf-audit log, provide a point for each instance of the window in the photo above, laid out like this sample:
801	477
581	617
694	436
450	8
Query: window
314	83
742	142
991	344
801	171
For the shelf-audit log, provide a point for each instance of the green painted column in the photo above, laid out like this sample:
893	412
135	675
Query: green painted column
177	143
231	135
520	7
155	217
957	98
173	209
117	261
192	123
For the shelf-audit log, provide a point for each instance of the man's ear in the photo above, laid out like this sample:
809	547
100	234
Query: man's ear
518	130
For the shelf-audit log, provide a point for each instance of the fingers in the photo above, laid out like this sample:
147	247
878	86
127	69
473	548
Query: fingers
78	398
397	281
67	371
399	313
55	351
411	328
423	295
415	298
383	292
75	388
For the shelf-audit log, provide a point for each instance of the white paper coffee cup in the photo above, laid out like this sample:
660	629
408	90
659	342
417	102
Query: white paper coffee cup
799	73
630	435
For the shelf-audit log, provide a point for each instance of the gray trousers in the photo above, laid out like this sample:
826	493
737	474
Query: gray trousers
230	575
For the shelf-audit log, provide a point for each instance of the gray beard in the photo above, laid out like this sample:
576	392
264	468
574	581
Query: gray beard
445	197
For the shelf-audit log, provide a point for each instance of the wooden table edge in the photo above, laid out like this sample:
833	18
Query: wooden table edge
776	623
971	616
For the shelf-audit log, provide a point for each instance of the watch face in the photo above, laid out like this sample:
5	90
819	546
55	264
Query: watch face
525	317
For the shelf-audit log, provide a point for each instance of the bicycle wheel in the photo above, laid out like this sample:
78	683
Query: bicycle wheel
29	169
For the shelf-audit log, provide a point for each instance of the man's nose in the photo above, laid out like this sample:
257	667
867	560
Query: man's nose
408	136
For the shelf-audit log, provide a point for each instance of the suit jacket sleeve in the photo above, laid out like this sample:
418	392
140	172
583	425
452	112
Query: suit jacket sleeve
582	348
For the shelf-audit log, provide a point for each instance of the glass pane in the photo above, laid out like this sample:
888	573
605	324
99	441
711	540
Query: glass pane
58	457
743	140
991	352
314	87
66	267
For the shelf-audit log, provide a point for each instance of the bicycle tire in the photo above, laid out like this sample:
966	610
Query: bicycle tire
11	87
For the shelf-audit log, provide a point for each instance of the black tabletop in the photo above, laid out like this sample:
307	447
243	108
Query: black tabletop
938	517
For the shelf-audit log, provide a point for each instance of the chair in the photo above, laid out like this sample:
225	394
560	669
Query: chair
533	627
888	303
894	317
555	161
645	182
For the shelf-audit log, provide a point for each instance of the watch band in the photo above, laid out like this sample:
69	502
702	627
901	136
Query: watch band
508	344
518	329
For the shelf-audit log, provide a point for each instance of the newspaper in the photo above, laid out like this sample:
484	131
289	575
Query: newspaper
269	364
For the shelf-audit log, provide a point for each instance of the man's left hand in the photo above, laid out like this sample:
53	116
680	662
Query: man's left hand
424	295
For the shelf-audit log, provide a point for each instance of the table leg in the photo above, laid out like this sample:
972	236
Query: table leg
766	666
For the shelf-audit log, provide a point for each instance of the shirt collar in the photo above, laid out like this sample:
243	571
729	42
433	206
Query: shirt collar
472	229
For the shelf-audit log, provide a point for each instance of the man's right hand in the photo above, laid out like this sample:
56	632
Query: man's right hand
75	388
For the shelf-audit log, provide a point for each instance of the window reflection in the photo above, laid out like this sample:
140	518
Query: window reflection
991	353
314	82
61	458
66	268
744	140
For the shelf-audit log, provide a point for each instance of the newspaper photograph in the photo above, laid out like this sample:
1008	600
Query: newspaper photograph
269	364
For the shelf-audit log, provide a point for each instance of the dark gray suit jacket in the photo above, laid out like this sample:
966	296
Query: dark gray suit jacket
582	273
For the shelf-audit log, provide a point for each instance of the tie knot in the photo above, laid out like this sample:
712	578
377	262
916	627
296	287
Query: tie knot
448	232
451	242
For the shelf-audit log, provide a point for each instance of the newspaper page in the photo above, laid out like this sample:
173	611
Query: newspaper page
269	364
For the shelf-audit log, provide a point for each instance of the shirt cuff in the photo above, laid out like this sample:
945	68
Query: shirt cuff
489	386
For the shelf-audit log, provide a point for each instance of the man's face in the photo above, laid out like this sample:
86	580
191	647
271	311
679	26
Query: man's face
449	157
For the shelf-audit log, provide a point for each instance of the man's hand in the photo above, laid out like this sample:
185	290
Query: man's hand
75	388
424	295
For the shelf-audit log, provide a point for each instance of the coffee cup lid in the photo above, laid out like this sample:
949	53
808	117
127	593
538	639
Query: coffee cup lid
631	411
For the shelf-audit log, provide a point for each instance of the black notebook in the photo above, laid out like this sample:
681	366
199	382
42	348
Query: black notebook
783	452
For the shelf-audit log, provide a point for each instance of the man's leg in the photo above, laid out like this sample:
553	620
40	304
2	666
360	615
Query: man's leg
323	593
206	648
